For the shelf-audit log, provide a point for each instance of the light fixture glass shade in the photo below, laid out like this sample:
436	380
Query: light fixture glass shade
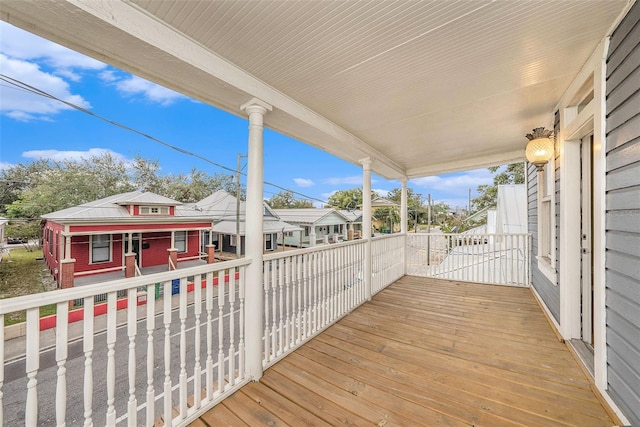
539	151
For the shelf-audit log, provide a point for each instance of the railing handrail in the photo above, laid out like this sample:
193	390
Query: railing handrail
277	255
389	236
26	302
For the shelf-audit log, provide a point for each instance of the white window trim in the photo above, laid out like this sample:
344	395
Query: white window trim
546	264
186	241
149	210
233	240
268	237
91	261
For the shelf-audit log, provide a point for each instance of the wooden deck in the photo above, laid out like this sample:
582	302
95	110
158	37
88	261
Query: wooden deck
425	352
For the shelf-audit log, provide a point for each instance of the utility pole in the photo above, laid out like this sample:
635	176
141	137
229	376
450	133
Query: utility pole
238	238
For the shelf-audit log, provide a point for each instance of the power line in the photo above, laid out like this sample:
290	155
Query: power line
28	88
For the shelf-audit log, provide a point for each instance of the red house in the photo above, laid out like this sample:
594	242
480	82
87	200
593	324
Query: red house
125	232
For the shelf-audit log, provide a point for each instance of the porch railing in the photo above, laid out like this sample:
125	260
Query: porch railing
387	258
174	345
483	258
148	356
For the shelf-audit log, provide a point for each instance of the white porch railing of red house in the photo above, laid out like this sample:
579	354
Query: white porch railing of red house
483	258
190	342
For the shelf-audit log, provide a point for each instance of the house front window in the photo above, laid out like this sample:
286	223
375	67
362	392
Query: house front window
180	241
154	210
100	248
546	213
268	242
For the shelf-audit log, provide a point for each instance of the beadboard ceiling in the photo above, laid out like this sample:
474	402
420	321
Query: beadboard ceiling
421	87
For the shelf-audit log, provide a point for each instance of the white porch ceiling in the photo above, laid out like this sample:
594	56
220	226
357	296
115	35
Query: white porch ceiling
421	87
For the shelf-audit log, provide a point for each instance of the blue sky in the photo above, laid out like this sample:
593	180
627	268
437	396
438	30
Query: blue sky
33	127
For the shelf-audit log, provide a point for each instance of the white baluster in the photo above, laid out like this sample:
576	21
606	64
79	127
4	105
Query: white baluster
317	290
1	370
132	329
265	281
183	348
274	301
305	296
87	348
197	369
209	308
221	285
166	317
151	326
299	287
111	358
32	366
241	345
62	339
232	326
281	278
289	318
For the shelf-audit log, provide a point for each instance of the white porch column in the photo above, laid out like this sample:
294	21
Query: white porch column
312	236
256	110
404	206
366	223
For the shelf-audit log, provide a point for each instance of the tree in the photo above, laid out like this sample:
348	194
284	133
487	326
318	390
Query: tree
415	205
287	200
44	186
348	199
513	174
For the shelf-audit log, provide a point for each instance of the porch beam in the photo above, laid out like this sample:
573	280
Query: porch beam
256	110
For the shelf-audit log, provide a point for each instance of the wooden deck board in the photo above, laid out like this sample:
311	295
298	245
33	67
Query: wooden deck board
425	352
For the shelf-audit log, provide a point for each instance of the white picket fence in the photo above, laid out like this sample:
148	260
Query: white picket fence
482	258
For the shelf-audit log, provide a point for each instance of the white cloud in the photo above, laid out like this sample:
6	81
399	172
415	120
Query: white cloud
60	155
135	85
455	184
23	45
22	105
108	76
303	182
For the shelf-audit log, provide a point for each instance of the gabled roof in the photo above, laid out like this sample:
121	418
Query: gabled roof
380	202
352	216
307	215
146	198
114	208
220	205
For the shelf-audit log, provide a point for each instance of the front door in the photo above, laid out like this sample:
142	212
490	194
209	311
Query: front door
586	234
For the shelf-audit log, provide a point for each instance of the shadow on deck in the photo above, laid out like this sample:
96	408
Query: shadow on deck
425	352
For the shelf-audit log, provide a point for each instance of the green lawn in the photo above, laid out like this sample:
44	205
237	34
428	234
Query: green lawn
23	273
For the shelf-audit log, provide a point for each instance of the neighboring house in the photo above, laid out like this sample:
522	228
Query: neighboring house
95	237
355	223
386	224
222	208
323	225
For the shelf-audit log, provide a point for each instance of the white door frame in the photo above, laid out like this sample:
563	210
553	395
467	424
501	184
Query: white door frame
578	120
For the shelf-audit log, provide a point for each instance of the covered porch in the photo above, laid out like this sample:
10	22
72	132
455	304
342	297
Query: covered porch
425	352
406	90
